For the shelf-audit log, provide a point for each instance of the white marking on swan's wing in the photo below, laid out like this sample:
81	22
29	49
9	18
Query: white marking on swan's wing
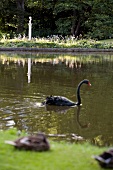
66	99
25	141
100	159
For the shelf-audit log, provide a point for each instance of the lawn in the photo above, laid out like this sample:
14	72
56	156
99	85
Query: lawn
62	156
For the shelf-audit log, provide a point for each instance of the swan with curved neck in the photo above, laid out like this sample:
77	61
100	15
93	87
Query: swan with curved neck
63	101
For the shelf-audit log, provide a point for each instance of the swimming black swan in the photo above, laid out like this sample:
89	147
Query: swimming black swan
63	101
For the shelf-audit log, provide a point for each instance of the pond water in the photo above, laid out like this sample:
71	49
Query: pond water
27	79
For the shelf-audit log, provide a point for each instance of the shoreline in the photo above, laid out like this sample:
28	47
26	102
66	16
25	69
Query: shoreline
55	50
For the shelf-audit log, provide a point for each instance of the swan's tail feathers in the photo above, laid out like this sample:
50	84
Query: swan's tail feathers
102	160
98	158
10	142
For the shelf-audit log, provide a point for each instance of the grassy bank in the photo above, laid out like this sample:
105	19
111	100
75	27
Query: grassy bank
56	42
62	156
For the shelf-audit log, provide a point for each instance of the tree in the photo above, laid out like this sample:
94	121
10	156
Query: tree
70	16
92	19
12	16
20	15
100	23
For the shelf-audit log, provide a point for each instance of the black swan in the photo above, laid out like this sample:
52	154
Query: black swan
105	159
63	101
37	142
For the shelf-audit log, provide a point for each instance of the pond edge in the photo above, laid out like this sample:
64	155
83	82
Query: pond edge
61	50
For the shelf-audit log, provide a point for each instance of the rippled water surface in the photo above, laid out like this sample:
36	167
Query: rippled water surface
27	79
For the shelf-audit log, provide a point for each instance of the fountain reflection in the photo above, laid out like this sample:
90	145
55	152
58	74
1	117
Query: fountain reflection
29	70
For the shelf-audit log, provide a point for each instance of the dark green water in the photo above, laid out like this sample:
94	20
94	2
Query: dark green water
57	75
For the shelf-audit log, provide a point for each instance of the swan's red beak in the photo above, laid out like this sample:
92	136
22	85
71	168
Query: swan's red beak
89	84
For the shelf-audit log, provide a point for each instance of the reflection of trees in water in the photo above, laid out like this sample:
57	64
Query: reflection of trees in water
69	61
52	123
51	120
48	119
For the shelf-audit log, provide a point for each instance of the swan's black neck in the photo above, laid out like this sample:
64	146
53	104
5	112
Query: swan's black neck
78	93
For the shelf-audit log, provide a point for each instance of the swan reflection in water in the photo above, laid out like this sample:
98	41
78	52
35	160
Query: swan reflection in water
58	109
78	119
64	109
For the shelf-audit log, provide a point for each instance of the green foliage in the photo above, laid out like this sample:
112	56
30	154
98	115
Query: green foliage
64	156
99	24
91	19
63	26
57	42
100	21
1	35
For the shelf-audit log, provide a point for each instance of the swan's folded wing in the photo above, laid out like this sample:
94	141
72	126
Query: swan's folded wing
63	101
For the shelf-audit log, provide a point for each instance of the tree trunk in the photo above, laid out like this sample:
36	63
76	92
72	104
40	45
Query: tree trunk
75	30
20	15
76	33
76	24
